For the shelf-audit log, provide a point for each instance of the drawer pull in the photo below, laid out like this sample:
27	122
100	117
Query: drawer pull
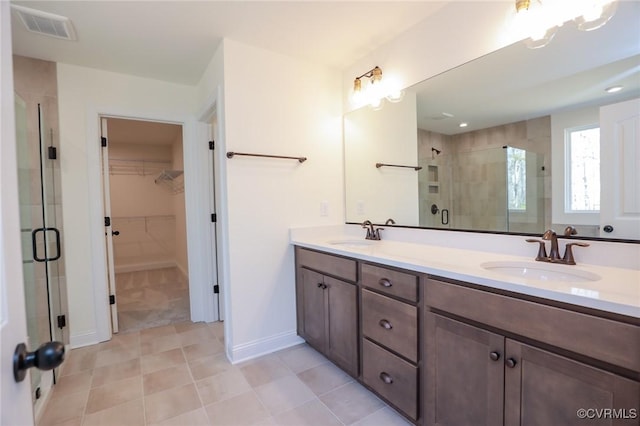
384	282
494	356
385	324
511	363
386	378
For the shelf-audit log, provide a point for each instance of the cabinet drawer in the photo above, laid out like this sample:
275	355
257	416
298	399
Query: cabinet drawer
328	264
391	323
390	376
395	283
610	341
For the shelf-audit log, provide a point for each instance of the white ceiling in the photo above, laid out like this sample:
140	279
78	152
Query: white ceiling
175	40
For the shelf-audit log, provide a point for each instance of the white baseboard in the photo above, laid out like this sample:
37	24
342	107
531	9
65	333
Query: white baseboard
146	266
85	339
247	351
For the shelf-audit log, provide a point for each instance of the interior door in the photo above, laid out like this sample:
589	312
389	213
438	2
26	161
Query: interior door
620	170
15	403
108	231
214	193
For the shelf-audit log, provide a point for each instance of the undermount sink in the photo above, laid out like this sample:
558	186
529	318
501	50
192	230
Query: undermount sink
541	271
352	243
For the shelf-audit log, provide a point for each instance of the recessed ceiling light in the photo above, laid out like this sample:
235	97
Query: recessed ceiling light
447	114
613	89
464	124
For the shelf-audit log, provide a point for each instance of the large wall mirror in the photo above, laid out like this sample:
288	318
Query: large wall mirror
518	141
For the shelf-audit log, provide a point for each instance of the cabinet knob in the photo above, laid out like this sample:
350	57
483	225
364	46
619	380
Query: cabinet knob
494	356
385	324
320	285
384	282
386	378
510	362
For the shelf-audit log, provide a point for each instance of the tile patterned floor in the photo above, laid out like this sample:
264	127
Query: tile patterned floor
178	375
151	298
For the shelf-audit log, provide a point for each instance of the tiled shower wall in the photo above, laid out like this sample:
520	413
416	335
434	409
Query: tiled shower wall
35	82
476	162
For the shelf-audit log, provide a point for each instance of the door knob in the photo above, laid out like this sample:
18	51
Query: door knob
608	229
47	357
116	233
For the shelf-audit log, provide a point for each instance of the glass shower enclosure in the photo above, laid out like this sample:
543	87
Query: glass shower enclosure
41	230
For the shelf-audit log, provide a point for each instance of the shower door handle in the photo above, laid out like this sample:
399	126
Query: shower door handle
444	216
34	245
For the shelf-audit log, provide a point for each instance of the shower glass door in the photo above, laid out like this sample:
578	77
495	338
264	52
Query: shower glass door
39	199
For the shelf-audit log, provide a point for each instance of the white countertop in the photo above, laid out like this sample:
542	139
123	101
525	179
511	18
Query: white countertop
617	290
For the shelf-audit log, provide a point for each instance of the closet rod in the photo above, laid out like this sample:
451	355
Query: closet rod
416	168
232	154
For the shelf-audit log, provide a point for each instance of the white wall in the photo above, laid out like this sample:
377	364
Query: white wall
83	93
457	33
178	205
390	136
291	108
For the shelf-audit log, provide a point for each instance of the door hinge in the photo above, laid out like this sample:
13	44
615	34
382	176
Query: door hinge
214	217
107	221
103	141
62	321
212	145
112	299
216	289
52	153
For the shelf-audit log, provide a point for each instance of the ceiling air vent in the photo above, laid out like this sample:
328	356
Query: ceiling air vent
45	23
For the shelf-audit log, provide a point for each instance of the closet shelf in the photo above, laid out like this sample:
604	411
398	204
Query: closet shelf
139	167
172	180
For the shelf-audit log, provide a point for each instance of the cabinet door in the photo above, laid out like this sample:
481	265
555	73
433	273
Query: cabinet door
464	374
342	324
542	388
313	308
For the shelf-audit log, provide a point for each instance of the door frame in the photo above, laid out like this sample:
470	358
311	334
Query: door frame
200	292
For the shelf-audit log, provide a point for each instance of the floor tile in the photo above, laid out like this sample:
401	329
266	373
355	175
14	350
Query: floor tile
188	326
121	341
115	356
162	360
264	370
198	335
168	378
171	403
114	372
159	344
155	332
222	386
78	382
312	413
113	394
130	413
301	357
284	394
64	407
241	410
191	418
351	402
324	378
201	350
385	416
209	366
80	359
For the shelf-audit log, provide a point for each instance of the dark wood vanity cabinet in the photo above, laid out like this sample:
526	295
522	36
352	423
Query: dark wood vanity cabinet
476	375
328	306
390	336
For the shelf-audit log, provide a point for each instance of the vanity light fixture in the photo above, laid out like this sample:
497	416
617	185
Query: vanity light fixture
539	20
613	89
374	90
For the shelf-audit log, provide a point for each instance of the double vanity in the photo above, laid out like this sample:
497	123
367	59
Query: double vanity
459	337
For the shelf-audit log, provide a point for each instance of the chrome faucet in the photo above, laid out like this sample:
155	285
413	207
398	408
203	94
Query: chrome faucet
554	253
372	232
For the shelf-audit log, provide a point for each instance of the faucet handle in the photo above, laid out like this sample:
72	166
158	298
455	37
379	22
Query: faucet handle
376	235
568	252
569	231
542	250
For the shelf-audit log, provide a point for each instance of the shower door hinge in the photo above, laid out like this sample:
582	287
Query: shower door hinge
103	141
214	217
62	321
216	289
212	145
107	221
112	299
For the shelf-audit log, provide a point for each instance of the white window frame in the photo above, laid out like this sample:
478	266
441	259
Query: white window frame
567	168
561	124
